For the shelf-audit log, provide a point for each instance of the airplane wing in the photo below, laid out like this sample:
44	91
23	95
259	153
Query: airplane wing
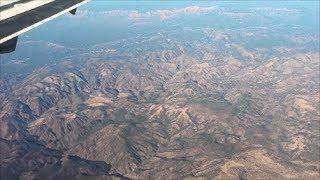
20	16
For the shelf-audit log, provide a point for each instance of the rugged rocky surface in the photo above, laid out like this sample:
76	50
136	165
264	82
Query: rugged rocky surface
31	160
188	103
177	117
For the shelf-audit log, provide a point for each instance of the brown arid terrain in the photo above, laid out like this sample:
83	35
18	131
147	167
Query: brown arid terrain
168	115
171	105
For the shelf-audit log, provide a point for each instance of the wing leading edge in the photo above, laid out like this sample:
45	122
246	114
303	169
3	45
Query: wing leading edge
20	16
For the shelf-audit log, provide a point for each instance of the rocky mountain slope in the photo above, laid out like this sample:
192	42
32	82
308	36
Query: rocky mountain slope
210	91
168	113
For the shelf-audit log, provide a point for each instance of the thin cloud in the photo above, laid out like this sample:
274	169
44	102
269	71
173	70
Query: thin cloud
160	14
167	14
